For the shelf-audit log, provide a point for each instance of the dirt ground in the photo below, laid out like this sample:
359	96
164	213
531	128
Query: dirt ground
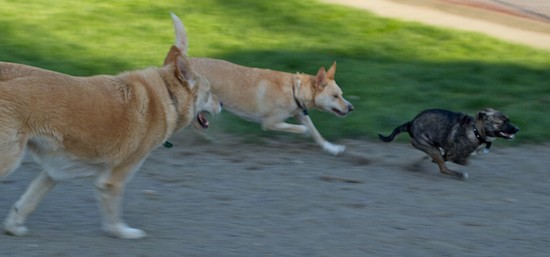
285	197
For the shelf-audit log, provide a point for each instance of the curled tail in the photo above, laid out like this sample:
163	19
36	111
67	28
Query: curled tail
396	131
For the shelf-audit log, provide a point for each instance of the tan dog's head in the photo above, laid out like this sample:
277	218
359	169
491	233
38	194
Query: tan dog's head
196	85
328	95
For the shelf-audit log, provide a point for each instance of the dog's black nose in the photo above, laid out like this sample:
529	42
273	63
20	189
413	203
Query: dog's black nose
350	108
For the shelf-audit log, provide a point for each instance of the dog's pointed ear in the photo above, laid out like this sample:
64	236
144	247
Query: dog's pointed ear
481	115
182	68
484	113
172	55
183	71
320	79
331	71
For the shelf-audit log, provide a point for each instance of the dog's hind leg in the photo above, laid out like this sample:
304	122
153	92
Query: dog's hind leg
109	189
327	146
40	186
435	153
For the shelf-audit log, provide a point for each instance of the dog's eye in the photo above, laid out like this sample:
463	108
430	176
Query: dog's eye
335	96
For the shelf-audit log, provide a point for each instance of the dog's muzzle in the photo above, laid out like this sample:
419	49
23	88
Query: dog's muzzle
509	132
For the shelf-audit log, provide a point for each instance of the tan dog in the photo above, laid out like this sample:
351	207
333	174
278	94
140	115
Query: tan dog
270	97
101	125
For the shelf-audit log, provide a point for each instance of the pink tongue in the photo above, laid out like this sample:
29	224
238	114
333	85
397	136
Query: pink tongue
202	120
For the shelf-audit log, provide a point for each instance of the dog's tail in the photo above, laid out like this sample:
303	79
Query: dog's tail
396	131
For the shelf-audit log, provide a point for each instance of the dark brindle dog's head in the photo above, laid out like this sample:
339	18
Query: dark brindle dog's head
495	124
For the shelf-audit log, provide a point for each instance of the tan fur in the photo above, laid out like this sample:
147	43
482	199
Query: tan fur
270	97
101	125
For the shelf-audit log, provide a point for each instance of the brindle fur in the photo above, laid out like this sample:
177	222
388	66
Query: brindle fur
456	134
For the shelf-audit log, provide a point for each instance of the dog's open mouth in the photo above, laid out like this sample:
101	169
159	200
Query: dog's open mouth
203	122
506	135
338	112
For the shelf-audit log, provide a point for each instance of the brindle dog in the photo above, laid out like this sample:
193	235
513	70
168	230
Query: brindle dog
457	134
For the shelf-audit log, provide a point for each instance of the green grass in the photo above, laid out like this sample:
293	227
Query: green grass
390	70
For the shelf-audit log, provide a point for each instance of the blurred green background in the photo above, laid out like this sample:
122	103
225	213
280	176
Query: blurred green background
390	70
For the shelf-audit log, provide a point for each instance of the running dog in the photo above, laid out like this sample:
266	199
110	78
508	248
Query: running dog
457	134
270	97
102	125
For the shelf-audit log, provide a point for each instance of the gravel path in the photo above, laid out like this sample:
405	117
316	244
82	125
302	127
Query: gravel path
285	197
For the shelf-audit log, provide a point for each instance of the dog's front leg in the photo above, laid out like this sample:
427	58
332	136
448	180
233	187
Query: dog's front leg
436	156
327	146
40	186
109	189
285	127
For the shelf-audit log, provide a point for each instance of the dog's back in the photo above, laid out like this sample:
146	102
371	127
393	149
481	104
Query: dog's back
10	71
245	91
435	125
429	124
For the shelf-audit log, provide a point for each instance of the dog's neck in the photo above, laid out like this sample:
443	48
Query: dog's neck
482	138
172	94
304	99
479	137
295	94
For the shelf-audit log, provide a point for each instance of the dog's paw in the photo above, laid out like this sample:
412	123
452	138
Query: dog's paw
123	231
15	230
462	175
334	149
